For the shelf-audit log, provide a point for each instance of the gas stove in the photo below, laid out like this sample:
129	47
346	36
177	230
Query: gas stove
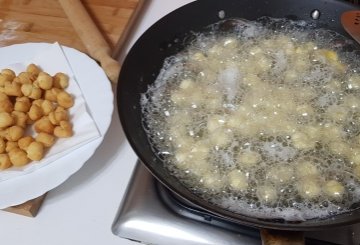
150	214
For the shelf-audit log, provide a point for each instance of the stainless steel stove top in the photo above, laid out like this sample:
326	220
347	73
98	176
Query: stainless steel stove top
144	217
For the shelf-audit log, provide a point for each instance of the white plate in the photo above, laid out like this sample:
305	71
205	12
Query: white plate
97	91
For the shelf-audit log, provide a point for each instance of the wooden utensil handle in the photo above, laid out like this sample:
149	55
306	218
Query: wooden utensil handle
275	237
92	38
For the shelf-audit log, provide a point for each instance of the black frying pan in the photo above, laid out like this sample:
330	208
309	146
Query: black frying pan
145	60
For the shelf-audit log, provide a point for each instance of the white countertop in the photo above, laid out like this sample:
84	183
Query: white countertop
81	210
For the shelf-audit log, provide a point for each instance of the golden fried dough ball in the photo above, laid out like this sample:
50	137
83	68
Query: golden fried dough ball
24	142
3	79
31	91
38	102
5	103
64	130
44	125
35	112
4	161
58	115
8	73
35	151
6	119
2	145
22	104
20	118
61	80
46	139
64	99
25	78
34	69
50	95
12	89
10	145
18	157
44	81
14	133
47	107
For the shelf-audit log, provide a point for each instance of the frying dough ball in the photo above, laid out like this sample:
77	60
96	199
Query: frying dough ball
64	130
302	141
340	148
24	142
4	161
334	189
353	82
237	180
212	180
64	99
309	188
266	193
22	104
61	80
35	112
35	151
44	125
20	118
6	119
34	69
14	133
214	122
221	137
280	174
12	89
351	101
10	145
306	169
18	157
248	158
46	139
337	113
44	81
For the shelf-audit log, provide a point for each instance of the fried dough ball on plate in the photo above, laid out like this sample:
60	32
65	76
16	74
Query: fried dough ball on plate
61	80
24	142
6	119
44	81
12	89
4	161
10	145
35	112
35	151
34	69
18	157
46	139
14	133
20	118
64	99
64	130
22	104
44	125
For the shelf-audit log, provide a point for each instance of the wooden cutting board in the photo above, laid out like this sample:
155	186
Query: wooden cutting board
23	21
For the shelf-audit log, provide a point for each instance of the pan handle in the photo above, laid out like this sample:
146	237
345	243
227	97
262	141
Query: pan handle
277	237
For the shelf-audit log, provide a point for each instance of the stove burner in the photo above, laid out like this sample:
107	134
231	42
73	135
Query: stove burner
151	214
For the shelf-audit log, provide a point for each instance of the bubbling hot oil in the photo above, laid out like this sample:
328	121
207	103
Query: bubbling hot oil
261	119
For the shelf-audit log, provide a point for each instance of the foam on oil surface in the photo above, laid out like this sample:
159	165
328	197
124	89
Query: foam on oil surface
273	103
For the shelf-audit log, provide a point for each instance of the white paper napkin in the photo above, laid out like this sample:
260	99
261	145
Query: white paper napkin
53	60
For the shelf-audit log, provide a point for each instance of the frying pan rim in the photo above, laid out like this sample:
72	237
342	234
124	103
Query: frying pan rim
220	212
